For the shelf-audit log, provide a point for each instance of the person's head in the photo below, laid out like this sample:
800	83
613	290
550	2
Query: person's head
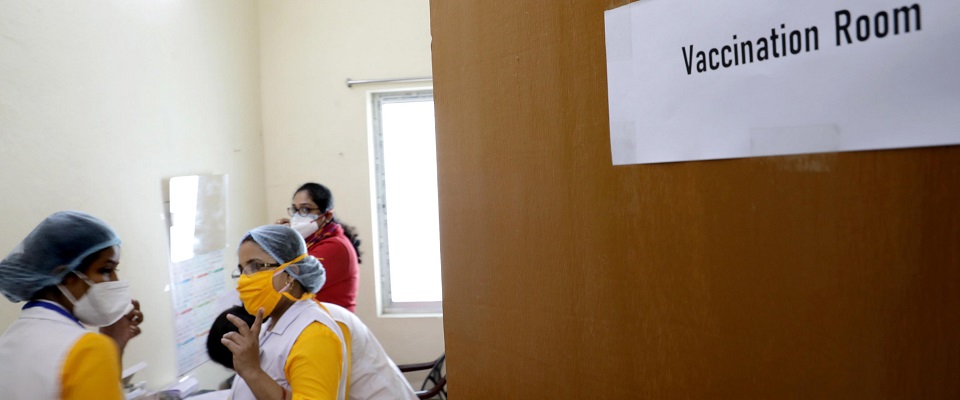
274	268
69	258
219	353
313	202
312	208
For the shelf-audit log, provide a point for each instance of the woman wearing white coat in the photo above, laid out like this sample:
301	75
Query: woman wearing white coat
299	353
67	269
372	376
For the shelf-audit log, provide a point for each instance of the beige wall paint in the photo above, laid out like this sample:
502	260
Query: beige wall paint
101	102
315	128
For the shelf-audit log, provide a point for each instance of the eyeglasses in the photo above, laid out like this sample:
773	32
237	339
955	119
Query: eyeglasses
303	211
251	268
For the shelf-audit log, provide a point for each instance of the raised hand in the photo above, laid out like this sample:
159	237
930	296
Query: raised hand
244	344
126	328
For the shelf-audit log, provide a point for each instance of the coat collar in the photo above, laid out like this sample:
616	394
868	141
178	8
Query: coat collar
290	315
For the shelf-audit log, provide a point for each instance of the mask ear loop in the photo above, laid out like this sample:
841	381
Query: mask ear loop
67	294
326	221
287	294
86	279
286	287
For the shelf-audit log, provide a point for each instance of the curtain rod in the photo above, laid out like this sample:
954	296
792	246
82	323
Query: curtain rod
351	82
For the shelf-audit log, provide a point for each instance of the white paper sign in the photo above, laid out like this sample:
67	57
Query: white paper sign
198	267
197	284
705	79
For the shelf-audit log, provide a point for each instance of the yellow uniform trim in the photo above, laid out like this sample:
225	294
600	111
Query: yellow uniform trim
346	339
313	365
92	370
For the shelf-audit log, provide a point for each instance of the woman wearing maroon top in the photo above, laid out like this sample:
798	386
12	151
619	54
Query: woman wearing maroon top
334	244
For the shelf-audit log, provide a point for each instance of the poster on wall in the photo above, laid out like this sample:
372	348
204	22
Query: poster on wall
700	79
198	210
197	285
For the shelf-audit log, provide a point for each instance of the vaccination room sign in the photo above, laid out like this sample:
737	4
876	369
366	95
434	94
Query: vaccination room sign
703	79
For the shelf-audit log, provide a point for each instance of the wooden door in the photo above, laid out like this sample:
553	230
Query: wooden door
816	276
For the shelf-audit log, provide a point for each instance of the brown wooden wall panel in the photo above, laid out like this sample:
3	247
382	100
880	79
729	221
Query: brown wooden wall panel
816	276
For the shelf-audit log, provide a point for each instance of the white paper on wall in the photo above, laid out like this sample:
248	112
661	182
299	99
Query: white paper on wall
198	209
700	79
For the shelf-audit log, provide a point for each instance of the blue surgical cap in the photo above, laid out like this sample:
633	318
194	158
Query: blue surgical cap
54	248
285	244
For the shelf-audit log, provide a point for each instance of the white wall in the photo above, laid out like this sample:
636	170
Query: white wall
315	128
101	102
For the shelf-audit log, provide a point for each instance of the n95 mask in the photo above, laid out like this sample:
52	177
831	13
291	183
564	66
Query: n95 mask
305	225
103	304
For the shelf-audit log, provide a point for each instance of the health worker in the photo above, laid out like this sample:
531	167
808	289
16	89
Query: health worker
66	272
372	375
300	353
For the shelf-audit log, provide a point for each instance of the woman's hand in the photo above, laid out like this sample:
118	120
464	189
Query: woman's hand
283	221
126	328
245	345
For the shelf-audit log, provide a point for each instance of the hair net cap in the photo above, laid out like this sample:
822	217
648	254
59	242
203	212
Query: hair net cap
285	244
51	251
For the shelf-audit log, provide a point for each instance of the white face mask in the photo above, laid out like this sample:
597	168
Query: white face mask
103	304
305	225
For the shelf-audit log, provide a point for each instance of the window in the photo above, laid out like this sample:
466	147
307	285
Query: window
407	212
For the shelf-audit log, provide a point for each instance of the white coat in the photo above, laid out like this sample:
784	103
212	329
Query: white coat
275	346
373	375
33	351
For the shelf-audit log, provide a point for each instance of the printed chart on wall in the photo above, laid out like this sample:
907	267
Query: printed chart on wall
703	79
198	212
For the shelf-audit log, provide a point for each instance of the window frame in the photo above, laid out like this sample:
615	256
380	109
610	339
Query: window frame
386	307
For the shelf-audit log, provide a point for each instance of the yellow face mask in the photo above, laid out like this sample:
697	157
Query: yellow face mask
256	290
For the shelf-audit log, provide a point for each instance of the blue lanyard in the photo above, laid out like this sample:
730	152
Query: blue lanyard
41	304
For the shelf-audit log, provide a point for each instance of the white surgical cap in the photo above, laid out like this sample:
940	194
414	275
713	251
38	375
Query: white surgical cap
285	244
51	251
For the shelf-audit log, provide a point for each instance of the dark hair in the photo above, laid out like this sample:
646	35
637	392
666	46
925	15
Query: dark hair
219	353
324	199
